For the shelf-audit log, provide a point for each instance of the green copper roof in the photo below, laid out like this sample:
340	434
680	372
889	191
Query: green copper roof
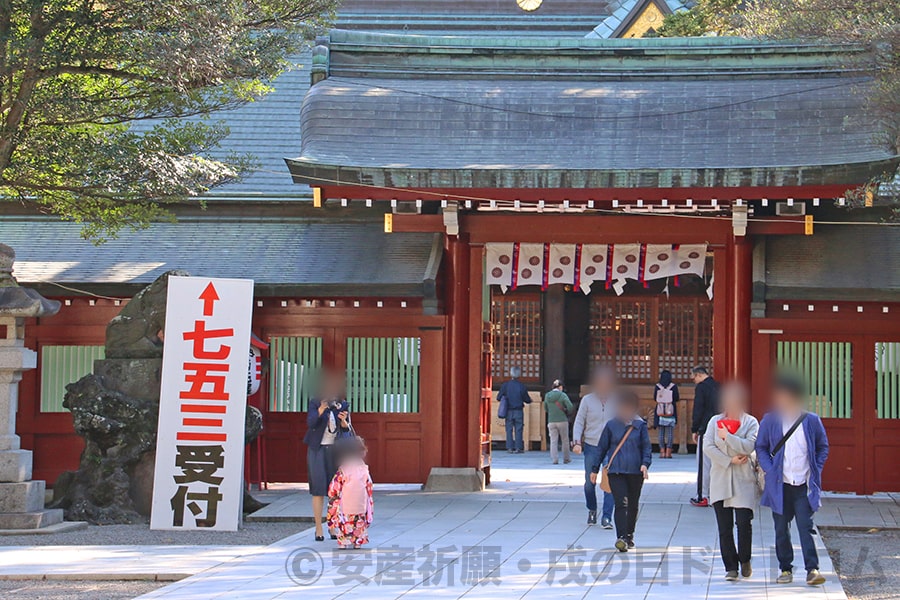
452	112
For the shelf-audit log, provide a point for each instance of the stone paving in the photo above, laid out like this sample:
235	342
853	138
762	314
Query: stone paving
845	511
525	537
158	563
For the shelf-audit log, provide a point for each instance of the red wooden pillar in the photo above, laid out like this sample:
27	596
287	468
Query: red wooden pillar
475	348
741	251
456	402
462	426
721	313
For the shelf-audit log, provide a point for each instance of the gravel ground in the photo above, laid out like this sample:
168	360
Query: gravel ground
252	534
868	562
76	590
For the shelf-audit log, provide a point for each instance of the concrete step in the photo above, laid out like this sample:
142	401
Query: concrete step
31	520
61	527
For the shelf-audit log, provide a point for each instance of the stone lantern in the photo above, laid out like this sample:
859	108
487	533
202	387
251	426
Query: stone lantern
21	499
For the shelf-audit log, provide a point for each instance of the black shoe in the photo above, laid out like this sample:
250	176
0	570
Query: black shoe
592	517
606	523
334	537
731	576
320	538
630	543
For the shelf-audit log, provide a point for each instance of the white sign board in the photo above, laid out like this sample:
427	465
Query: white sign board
198	481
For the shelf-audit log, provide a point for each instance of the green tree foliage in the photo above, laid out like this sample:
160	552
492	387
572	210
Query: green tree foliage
706	17
870	22
105	102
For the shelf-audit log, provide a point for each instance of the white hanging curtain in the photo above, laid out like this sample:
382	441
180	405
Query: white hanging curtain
510	265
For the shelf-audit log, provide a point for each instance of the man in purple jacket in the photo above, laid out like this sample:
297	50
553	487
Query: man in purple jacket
792	448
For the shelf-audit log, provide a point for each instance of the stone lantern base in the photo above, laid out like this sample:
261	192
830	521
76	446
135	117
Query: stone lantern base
21	500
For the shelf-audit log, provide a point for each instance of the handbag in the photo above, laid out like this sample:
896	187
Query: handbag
760	474
604	472
504	406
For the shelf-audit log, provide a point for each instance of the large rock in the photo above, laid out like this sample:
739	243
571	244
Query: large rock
119	434
136	331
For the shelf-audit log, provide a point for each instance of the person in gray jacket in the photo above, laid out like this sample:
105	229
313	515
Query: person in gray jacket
594	412
729	443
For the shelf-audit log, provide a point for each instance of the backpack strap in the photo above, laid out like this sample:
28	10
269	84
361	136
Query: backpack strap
619	447
787	435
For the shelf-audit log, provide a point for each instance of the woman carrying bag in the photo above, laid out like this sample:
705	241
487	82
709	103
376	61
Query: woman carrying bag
623	476
733	491
327	421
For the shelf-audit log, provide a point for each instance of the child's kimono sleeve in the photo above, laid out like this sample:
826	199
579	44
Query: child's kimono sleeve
370	505
334	495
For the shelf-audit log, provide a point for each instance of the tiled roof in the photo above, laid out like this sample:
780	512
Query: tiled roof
473	8
615	125
473	17
269	130
412	111
338	258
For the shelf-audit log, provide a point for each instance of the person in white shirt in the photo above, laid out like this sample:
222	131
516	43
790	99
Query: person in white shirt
792	448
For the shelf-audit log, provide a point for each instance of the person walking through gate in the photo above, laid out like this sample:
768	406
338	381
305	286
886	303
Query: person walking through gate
706	406
515	394
627	440
558	407
792	448
729	442
595	410
665	416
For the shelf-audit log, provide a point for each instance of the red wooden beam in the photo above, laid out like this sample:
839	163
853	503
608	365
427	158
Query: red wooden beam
417	223
586	228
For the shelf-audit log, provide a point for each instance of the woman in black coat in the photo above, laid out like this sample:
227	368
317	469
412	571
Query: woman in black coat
327	420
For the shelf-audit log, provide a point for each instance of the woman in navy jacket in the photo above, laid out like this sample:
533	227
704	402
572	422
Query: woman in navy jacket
327	420
628	469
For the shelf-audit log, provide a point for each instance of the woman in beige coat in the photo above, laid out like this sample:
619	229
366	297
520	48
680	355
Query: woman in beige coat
733	491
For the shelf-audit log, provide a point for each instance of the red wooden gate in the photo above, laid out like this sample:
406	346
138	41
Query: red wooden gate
394	384
854	385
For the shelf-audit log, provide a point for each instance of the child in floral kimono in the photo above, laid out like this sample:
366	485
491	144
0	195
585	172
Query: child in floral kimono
350	497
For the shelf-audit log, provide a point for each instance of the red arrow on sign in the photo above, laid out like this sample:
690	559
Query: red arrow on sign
209	296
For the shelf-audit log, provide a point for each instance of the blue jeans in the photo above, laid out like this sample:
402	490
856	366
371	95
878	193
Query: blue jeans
796	506
515	422
591	457
666	436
